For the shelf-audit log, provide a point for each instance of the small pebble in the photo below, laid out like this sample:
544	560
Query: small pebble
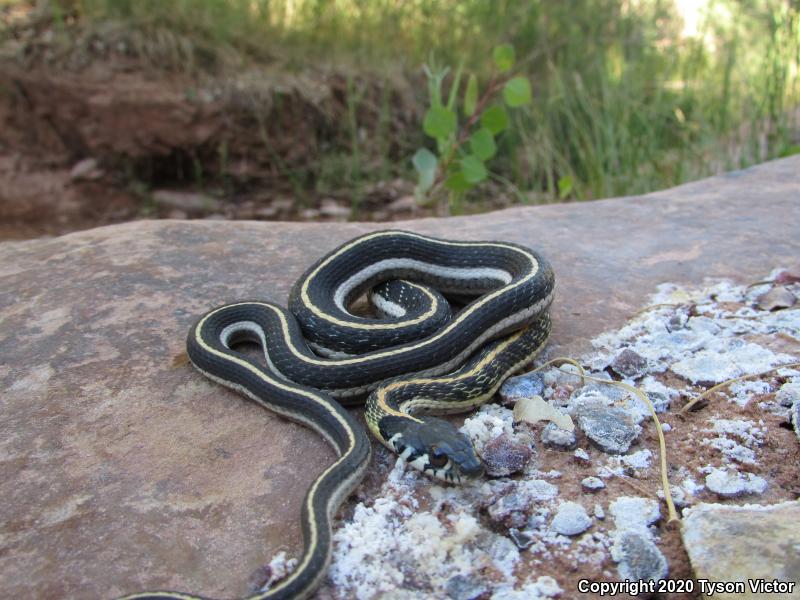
665	427
637	461
659	401
561	394
523	386
581	455
702	324
777	298
678	495
629	364
633	513
610	428
571	519
638	557
729	483
592	484
598	392
789	394
520	538
555	437
462	587
503	456
599	513
566	374
677	321
511	510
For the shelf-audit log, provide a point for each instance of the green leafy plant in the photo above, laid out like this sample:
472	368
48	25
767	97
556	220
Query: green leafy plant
463	149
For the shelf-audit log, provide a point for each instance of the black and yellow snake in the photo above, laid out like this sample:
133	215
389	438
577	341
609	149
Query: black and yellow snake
417	357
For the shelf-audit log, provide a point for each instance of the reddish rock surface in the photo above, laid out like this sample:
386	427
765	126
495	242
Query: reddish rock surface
122	469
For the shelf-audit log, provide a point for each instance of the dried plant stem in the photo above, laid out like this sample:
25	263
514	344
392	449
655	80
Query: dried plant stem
662	446
719	386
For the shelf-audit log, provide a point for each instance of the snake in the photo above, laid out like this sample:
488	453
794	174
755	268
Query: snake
413	357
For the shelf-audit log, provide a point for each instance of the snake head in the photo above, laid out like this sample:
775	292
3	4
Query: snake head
437	448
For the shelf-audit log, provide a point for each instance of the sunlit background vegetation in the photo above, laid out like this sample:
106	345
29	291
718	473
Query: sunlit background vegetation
629	95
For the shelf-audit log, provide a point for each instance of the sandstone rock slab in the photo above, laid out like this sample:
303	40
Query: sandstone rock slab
121	469
740	543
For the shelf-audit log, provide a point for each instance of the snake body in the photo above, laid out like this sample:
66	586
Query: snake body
416	358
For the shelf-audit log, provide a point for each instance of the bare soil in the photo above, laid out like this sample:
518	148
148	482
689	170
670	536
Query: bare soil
93	133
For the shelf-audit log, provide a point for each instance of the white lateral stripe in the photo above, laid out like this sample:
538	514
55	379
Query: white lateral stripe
477	304
388	307
461	273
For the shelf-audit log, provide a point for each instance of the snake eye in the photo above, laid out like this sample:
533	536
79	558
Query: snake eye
437	457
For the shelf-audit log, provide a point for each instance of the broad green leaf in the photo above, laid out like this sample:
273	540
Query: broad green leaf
457	183
425	163
439	122
564	186
504	57
473	169
517	92
482	144
471	96
495	119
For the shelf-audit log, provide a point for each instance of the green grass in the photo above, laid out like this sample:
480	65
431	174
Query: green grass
624	103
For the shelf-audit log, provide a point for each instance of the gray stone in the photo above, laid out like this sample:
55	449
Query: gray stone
629	364
571	519
737	543
659	400
555	437
520	538
461	587
777	298
564	375
582	456
610	393
592	484
680	497
702	324
523	386
538	489
511	510
788	394
632	513
730	483
638	557
610	428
